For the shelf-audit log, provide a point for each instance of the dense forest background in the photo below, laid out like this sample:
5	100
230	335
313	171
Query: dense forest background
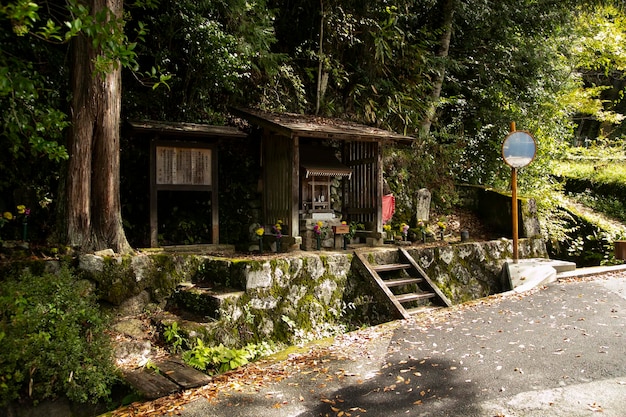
452	73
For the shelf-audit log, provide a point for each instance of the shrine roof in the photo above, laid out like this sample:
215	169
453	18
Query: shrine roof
321	161
187	129
291	124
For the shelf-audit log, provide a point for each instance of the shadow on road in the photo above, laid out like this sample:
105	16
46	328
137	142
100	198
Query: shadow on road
411	387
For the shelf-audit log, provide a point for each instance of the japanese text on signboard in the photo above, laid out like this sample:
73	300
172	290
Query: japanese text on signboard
183	166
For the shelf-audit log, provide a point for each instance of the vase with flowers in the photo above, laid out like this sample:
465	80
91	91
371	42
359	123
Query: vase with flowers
404	229
320	232
387	232
278	232
442	228
421	226
14	221
260	231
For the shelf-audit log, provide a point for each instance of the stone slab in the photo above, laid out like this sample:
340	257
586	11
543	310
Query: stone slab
525	274
589	271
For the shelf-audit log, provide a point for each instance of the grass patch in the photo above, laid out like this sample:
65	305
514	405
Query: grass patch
594	171
611	206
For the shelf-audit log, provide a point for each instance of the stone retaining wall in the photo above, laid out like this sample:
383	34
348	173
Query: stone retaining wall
468	271
297	297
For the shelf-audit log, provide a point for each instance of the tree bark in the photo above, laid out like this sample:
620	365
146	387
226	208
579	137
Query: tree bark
448	8
320	67
94	220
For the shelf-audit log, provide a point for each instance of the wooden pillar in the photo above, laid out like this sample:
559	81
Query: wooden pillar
215	214
154	225
294	210
514	214
378	226
514	218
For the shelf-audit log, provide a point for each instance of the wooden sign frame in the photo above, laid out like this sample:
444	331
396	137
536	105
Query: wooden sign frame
182	166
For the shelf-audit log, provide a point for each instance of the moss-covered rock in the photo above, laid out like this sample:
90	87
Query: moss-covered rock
469	271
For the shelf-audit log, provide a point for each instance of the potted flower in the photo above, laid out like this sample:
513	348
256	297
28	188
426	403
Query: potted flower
25	212
442	228
347	235
320	232
7	218
260	231
278	232
421	226
387	231
404	229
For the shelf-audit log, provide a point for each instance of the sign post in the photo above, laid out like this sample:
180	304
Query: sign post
182	166
518	150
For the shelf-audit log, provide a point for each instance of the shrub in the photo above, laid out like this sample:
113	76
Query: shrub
53	340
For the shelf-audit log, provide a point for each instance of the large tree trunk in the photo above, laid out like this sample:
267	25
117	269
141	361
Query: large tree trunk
93	210
448	8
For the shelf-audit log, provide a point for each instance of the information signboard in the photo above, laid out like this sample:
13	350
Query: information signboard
183	166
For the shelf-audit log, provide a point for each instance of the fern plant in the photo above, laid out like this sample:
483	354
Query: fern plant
216	359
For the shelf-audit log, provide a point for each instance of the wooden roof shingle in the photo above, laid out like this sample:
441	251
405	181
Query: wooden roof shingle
290	124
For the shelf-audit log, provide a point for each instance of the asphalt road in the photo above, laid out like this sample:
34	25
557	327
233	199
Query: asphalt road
555	351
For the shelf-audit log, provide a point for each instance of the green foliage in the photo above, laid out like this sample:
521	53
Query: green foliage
215	53
173	337
576	237
32	123
53	340
550	67
424	166
593	178
220	359
151	366
32	69
379	60
611	205
34	90
601	61
215	359
593	171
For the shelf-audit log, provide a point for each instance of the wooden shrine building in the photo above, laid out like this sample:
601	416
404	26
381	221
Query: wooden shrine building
315	168
183	157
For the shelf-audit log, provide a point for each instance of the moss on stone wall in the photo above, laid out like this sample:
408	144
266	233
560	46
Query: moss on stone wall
293	299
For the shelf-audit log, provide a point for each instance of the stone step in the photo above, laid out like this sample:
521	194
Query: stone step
525	274
397	282
200	300
562	266
190	327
